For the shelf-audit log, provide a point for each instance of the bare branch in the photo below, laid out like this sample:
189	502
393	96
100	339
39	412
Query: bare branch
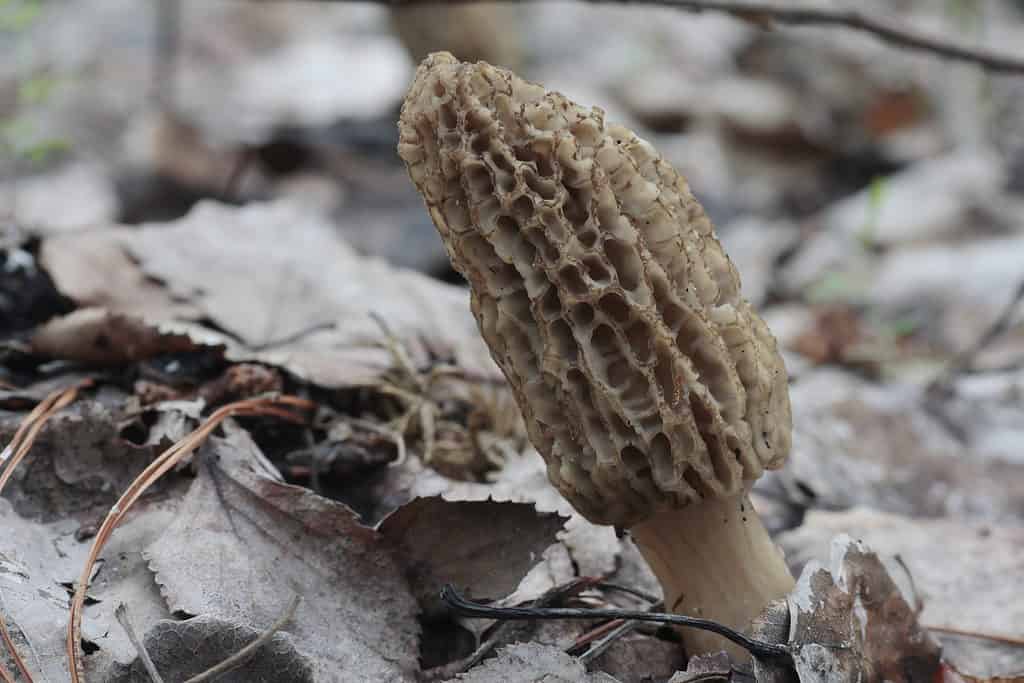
766	13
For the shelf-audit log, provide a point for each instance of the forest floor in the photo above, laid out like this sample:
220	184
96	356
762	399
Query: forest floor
196	216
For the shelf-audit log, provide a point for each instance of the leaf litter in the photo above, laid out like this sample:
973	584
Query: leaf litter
879	256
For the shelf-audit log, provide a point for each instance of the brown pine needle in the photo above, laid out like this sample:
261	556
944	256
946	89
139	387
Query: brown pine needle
995	637
32	424
12	454
161	465
5	675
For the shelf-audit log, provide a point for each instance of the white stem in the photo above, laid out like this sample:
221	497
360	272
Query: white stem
714	560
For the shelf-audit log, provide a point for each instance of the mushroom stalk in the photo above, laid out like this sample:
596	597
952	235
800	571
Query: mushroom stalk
714	560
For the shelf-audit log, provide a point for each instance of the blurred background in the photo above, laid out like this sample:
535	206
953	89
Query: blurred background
870	195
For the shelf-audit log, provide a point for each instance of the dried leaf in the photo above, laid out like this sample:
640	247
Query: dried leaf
308	303
94	268
31	600
182	649
38	561
245	543
851	621
968	580
862	443
483	547
638	657
949	674
703	668
95	335
78	464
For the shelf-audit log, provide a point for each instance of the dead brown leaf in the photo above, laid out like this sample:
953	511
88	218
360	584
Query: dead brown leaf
78	463
967	575
95	335
852	621
280	282
484	547
182	649
704	668
245	543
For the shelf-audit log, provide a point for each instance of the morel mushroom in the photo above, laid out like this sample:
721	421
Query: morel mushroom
655	394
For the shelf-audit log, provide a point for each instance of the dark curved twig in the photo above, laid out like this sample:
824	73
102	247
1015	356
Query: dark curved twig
764	13
468	608
853	19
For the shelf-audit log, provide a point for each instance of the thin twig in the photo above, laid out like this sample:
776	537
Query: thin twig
468	608
249	651
611	631
964	361
643	595
762	13
556	594
995	637
709	676
121	614
619	629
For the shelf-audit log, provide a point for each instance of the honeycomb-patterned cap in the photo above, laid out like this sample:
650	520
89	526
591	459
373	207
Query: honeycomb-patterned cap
602	291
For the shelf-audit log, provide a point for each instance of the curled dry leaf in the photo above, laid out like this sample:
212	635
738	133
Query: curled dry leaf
96	335
970	580
854	621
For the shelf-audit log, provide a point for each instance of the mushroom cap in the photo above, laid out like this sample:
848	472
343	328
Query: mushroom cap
599	285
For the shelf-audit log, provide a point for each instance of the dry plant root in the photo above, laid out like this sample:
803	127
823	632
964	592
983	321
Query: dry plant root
457	450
